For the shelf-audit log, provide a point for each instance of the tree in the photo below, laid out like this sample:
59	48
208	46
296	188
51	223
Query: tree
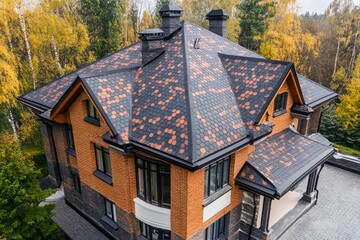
103	21
20	195
254	16
348	111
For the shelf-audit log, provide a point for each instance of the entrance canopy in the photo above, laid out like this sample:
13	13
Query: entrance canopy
281	161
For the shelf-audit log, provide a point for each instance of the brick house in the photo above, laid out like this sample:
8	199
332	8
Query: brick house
184	135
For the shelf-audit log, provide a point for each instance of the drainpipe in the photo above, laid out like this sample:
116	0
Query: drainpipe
56	156
316	183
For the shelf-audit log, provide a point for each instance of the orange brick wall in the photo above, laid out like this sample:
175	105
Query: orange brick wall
282	121
123	189
187	196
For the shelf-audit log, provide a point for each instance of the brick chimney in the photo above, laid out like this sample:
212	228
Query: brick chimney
152	44
217	21
170	15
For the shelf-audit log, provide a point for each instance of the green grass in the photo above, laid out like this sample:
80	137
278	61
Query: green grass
37	154
347	150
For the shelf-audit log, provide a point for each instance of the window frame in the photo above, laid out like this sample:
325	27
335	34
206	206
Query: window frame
76	182
70	139
220	231
280	103
224	179
103	173
112	209
162	173
92	118
145	231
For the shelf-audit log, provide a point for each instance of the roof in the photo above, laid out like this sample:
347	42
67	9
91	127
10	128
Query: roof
280	162
190	105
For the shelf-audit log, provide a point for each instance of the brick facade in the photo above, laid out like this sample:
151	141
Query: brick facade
187	187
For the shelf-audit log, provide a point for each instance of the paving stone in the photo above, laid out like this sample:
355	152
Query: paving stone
336	215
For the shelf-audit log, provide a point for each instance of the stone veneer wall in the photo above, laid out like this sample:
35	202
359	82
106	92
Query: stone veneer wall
247	211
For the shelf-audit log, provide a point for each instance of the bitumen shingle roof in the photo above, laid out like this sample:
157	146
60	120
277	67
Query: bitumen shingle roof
190	103
281	160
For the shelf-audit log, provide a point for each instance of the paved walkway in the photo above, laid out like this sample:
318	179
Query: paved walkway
337	213
75	226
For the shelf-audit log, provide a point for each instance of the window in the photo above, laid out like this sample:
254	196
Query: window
280	102
70	138
153	233
216	176
110	210
217	230
102	159
92	114
153	182
76	181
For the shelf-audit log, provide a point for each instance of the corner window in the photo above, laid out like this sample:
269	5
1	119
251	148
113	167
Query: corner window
153	233
217	230
92	114
280	102
216	176
153	182
70	139
110	210
76	181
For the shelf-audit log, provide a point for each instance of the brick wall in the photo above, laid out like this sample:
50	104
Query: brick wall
284	120
314	121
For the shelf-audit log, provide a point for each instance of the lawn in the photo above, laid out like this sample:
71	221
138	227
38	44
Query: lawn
347	150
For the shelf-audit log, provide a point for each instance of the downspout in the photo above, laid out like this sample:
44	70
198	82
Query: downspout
316	183
55	155
253	218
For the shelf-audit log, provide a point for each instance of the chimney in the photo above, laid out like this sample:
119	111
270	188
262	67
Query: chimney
170	15
217	21
152	44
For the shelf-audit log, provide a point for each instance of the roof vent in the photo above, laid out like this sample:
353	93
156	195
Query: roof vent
170	15
152	44
217	21
197	43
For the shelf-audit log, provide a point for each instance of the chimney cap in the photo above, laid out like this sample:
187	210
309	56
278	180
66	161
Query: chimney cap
151	34
218	14
170	11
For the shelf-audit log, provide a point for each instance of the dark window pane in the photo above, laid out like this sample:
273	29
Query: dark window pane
107	163
141	185
206	189
219	173
164	169
99	159
154	189
147	186
225	179
165	187
212	179
108	207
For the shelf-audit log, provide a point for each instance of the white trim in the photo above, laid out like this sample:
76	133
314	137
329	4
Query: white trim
152	215
216	206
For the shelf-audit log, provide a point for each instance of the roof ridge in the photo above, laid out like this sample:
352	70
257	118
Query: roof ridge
189	104
255	59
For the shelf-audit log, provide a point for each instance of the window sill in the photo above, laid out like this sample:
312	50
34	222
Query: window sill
216	195
280	112
71	152
92	121
110	222
103	176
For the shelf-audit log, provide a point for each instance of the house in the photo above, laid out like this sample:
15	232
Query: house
184	135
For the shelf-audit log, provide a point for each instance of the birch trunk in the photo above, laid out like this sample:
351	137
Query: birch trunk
12	121
19	12
337	55
56	53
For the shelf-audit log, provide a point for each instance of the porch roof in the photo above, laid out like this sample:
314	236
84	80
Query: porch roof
281	161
